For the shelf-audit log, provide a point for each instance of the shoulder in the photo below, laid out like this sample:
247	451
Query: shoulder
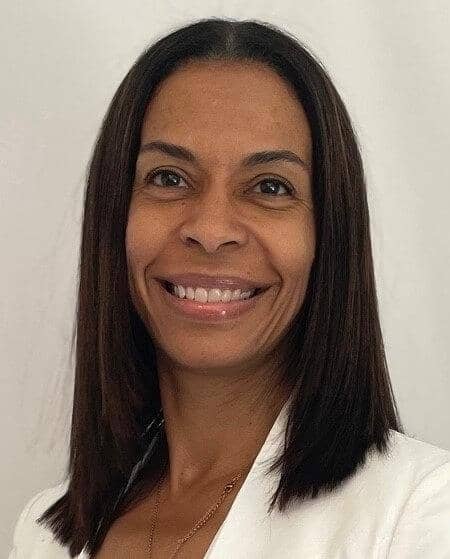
411	482
412	456
405	467
31	538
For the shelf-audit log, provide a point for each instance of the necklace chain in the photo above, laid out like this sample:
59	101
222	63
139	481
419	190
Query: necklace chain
227	489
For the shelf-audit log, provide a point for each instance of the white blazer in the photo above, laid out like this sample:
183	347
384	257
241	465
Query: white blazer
396	507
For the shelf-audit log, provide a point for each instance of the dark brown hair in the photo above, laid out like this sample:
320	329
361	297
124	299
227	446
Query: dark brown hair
332	355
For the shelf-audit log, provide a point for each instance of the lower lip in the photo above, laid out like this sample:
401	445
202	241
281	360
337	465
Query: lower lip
210	311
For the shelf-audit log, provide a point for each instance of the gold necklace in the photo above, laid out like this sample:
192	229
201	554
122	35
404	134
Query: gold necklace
227	489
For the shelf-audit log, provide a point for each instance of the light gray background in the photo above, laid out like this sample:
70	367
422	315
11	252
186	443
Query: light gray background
61	63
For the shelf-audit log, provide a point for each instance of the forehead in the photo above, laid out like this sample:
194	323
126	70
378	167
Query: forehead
226	108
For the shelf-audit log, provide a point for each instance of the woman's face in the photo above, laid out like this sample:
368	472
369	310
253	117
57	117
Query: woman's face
212	214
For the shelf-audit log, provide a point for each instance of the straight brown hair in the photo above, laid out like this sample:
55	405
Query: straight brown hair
332	356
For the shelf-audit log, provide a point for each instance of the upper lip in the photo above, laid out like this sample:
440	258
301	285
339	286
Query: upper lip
218	281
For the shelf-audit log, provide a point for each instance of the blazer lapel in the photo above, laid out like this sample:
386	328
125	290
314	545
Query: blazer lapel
246	530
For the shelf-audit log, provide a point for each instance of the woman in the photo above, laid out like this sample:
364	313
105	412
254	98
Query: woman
231	396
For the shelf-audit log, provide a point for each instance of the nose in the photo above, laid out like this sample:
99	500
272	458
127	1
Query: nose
211	221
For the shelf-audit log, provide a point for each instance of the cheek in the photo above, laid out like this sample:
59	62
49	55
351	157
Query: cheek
144	236
136	248
293	249
143	239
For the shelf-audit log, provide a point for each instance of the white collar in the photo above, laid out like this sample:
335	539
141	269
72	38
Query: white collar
249	512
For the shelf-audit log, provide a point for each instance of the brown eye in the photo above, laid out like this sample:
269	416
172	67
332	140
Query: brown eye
170	179
272	187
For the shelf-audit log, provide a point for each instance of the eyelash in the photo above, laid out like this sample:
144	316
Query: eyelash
290	191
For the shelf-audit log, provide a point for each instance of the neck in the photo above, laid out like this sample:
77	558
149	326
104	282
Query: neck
215	424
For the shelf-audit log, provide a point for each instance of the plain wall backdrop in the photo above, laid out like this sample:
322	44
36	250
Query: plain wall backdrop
62	62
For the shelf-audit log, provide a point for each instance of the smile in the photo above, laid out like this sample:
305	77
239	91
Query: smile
206	295
193	303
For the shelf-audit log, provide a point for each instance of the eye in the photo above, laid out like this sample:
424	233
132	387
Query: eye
171	179
273	184
170	175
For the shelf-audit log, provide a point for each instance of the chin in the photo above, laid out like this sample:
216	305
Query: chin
207	356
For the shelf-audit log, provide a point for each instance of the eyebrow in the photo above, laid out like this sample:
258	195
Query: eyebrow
251	160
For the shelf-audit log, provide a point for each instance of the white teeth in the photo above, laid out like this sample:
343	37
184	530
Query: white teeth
226	296
246	294
189	292
214	295
203	295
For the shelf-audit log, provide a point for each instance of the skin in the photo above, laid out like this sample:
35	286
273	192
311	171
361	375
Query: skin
219	391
